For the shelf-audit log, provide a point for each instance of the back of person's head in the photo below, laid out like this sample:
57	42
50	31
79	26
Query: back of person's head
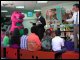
48	32
34	29
3	30
52	34
10	33
25	31
57	33
16	36
7	33
16	32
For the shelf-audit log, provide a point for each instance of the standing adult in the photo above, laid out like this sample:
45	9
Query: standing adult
40	23
75	19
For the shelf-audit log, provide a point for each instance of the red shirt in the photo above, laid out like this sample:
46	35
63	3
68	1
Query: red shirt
34	43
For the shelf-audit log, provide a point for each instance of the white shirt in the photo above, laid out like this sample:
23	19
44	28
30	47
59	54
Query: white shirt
23	42
74	18
72	37
38	22
39	17
57	43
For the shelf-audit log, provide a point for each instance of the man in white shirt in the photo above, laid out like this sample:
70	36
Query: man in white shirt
75	18
57	42
58	45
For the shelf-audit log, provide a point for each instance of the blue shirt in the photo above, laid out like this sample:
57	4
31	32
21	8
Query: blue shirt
23	42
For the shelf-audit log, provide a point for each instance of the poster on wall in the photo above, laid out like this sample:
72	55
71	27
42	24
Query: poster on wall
29	14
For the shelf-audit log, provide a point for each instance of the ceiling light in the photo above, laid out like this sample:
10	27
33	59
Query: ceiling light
8	15
4	11
19	6
37	10
42	1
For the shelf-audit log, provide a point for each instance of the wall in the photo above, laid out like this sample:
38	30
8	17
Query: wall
27	21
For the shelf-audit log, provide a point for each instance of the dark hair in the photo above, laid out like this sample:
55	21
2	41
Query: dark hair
77	5
10	33
7	33
48	32
34	29
58	32
53	9
16	37
3	30
25	31
16	32
39	13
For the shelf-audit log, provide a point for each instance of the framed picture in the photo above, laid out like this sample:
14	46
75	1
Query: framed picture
29	14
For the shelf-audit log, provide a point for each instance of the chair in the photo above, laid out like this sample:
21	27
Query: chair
11	53
44	55
2	52
25	54
70	55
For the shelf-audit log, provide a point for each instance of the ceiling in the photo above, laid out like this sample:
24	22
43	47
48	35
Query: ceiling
28	5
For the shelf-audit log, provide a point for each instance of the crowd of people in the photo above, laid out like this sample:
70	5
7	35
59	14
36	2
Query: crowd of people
32	41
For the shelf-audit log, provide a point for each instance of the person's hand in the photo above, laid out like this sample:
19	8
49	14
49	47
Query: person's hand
38	22
64	21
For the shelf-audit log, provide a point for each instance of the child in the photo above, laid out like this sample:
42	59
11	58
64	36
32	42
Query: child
6	40
58	45
23	40
34	43
46	41
2	35
15	39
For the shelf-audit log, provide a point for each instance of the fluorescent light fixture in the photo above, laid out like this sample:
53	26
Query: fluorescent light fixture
19	6
37	10
4	11
8	15
42	1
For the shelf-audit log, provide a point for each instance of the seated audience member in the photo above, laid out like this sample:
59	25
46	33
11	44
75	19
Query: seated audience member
34	43
15	39
46	41
10	35
72	37
6	40
58	45
23	39
2	34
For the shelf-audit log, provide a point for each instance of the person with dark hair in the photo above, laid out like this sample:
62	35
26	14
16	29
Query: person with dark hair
6	40
34	29
15	39
23	40
2	35
58	44
34	43
46	41
75	19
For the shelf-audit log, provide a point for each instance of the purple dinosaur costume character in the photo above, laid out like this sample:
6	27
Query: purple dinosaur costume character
17	19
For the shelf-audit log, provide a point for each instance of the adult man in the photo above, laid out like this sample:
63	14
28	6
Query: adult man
40	23
75	18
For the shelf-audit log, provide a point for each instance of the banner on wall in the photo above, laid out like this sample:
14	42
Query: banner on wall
29	14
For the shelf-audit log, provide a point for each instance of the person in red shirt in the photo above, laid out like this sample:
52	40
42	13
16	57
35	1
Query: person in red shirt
34	43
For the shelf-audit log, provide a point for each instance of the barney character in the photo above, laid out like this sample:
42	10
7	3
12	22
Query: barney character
17	19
